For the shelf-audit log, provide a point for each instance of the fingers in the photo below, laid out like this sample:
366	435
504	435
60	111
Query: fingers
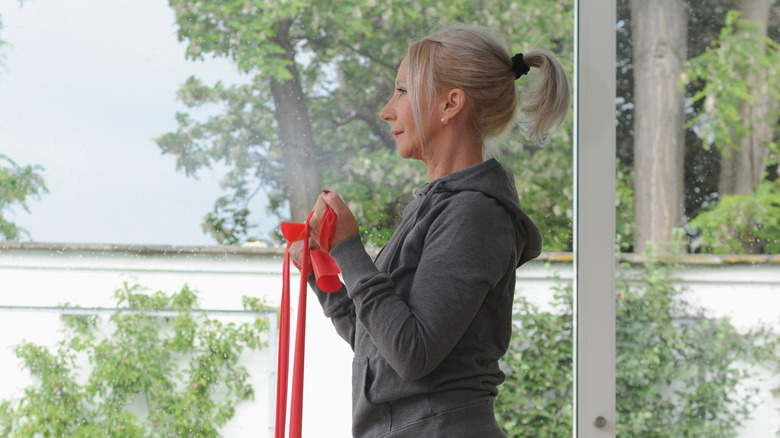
296	252
316	218
335	202
319	208
346	225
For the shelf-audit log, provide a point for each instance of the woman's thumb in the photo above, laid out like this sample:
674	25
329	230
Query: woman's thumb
334	201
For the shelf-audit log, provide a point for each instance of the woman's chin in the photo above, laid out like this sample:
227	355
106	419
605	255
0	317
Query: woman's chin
407	154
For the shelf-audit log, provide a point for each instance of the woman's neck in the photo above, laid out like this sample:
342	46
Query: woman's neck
440	168
452	150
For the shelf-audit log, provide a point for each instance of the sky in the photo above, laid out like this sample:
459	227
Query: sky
85	88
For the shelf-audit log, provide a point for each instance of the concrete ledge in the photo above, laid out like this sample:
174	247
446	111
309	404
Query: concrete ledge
266	250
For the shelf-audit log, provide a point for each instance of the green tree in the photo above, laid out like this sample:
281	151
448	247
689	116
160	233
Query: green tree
704	153
740	91
317	74
660	35
184	369
18	184
739	75
2	42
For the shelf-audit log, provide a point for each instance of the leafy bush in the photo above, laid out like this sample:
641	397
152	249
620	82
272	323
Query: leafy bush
536	398
742	224
679	374
140	360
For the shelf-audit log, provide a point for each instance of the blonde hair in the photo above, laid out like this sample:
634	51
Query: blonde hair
474	60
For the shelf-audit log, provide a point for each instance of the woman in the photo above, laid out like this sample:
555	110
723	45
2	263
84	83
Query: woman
430	318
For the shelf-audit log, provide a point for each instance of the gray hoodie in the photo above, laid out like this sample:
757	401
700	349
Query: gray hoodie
431	317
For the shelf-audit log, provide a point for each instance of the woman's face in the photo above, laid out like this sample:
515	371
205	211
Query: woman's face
398	111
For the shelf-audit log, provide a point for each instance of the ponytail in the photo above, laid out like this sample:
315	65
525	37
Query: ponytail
546	101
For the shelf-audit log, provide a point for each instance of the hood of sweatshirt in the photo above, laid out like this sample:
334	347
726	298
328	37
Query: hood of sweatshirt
495	181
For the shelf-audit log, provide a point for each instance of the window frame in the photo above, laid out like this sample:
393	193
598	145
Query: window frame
594	218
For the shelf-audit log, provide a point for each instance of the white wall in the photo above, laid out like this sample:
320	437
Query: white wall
35	279
33	282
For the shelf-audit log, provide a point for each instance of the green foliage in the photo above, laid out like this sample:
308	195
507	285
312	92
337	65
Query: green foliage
227	223
183	369
17	185
536	398
679	373
727	74
740	224
544	180
739	55
345	55
624	210
3	43
385	178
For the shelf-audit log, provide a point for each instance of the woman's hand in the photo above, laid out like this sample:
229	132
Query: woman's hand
296	253
346	225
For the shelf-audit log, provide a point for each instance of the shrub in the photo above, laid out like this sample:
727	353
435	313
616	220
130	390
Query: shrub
183	368
679	373
742	224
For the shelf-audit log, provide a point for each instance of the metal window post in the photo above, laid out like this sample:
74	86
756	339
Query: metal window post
594	218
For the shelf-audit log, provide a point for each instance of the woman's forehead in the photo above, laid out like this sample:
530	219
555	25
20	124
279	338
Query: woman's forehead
401	76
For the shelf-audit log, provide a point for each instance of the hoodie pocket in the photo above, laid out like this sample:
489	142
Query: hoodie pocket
385	385
368	418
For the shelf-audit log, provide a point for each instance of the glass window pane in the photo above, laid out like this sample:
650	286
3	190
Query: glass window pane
148	154
697	291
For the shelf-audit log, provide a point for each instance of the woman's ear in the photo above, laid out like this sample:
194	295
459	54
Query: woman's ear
452	102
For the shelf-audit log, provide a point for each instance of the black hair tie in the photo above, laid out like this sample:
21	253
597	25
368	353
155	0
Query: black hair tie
519	66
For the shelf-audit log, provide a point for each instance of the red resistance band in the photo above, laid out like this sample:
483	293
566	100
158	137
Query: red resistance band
327	275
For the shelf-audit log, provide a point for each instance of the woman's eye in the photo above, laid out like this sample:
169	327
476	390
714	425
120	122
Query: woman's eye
401	91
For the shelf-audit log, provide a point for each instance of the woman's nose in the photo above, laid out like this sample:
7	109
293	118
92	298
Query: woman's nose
387	113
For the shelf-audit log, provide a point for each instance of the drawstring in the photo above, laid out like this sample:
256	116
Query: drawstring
427	198
326	273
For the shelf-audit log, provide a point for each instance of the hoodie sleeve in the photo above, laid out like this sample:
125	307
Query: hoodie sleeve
469	247
339	308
